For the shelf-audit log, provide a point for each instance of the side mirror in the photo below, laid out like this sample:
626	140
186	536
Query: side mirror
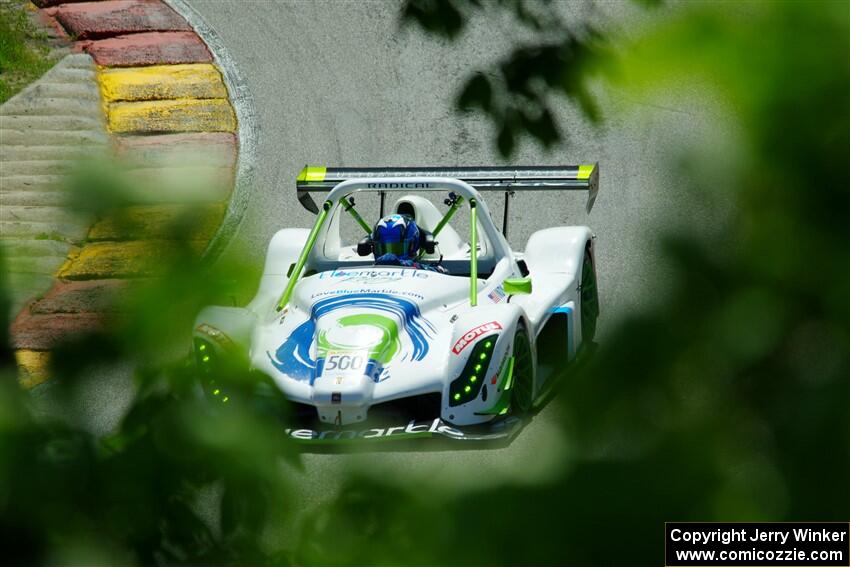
514	286
428	243
364	247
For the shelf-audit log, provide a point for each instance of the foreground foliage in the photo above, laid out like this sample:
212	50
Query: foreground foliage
727	401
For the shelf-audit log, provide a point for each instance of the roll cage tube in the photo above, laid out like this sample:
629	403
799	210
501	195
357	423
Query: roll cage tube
343	189
348	205
454	202
473	253
302	259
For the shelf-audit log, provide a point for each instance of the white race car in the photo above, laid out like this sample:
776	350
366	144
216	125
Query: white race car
464	352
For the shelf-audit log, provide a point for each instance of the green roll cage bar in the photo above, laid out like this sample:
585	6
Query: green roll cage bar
467	181
305	252
347	203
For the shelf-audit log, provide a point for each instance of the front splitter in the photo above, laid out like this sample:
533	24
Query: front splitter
502	429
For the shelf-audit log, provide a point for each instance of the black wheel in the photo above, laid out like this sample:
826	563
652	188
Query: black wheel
589	300
523	388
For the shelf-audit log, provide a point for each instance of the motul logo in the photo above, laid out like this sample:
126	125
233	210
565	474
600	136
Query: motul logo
473	334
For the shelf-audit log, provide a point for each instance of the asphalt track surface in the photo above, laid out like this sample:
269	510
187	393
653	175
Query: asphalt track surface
338	83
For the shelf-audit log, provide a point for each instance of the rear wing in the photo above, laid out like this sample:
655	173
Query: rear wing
507	179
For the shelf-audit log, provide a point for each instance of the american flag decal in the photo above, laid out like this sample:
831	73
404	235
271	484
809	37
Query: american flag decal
497	295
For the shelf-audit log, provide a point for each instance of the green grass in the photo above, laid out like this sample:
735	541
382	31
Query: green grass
50	236
23	49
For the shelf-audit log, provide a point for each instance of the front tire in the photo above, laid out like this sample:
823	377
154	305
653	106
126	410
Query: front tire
523	376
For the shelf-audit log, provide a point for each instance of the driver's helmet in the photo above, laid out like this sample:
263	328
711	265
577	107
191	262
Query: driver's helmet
397	235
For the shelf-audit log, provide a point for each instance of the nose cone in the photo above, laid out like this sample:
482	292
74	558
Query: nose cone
354	347
351	353
373	334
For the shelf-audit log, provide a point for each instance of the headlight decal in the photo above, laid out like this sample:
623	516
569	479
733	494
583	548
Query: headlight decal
505	382
467	386
205	357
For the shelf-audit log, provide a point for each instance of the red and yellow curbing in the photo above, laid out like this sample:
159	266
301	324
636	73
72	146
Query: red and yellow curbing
179	115
161	82
161	93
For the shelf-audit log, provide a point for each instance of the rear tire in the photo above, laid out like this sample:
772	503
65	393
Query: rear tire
589	299
523	376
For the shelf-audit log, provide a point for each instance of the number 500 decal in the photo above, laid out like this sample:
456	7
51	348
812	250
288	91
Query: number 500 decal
345	362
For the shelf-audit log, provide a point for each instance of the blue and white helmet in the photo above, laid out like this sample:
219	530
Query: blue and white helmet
397	235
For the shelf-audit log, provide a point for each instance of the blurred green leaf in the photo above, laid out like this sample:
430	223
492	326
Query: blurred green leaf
725	400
